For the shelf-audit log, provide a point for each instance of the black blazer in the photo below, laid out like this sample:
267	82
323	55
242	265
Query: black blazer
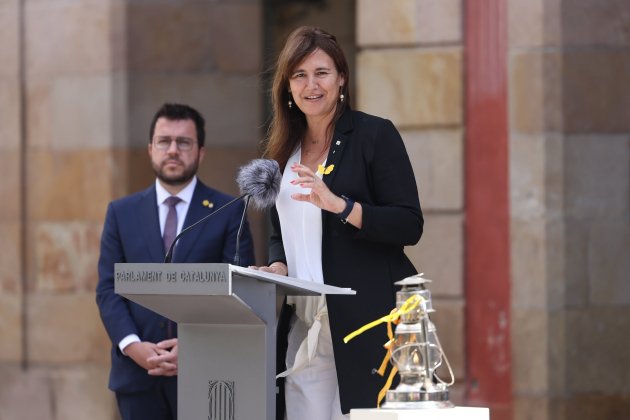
371	167
131	234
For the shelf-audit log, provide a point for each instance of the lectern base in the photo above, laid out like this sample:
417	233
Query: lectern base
455	413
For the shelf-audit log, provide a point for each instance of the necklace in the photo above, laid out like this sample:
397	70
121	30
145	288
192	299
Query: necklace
312	155
314	148
313	141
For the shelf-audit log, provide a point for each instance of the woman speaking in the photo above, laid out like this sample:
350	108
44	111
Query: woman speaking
348	204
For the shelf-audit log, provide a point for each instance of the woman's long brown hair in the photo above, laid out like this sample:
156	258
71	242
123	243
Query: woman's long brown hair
288	125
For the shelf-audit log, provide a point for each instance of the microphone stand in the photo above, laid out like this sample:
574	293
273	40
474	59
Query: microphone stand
237	257
169	254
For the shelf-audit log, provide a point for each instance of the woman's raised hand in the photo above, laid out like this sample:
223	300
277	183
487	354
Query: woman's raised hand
320	194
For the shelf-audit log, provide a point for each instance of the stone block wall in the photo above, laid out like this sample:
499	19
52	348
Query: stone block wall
409	70
80	81
570	204
79	84
58	122
11	223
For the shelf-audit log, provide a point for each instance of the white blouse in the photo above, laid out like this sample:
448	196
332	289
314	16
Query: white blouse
301	226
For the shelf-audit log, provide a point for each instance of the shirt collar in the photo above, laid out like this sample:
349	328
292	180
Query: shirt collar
185	194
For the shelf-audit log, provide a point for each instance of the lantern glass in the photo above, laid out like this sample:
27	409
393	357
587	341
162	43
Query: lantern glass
416	351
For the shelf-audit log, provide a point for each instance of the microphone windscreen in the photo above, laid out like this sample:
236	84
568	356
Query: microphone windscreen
260	179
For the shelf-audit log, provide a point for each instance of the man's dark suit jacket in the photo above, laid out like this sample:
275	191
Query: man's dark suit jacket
371	167
131	234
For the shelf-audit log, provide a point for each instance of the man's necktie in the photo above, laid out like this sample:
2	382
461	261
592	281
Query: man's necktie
170	227
170	232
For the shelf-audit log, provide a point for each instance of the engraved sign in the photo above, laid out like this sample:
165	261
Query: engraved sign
172	279
220	400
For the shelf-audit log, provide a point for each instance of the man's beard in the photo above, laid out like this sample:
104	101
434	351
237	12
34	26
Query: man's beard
175	180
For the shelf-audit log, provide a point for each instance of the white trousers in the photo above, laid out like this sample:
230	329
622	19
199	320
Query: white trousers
312	392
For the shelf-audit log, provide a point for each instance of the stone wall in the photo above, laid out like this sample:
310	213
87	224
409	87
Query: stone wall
10	170
570	203
81	79
409	70
94	72
569	184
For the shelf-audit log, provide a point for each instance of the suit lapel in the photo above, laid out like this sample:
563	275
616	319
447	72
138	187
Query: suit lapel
340	139
149	221
196	211
337	146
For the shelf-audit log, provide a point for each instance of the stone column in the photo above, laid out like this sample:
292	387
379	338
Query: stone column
570	205
409	70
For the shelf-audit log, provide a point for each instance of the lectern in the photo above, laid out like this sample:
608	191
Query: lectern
227	318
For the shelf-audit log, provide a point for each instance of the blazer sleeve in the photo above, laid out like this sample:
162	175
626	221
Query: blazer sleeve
113	308
394	216
276	247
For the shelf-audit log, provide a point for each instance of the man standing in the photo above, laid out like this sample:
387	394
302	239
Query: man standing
141	228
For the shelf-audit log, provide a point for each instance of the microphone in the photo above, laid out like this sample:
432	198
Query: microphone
259	181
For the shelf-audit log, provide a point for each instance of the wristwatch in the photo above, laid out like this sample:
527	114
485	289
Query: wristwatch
347	210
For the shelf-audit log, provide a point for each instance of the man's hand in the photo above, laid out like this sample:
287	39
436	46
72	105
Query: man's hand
165	362
140	352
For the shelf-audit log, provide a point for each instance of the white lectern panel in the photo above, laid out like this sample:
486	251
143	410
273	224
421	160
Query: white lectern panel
456	413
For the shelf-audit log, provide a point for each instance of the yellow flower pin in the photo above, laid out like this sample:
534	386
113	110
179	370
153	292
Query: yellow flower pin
325	170
208	204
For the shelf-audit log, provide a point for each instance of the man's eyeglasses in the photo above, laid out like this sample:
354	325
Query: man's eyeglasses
184	144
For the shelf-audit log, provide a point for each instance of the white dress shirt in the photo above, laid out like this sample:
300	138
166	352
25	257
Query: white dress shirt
182	210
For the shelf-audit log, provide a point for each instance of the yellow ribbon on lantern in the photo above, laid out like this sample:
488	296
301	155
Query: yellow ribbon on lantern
393	317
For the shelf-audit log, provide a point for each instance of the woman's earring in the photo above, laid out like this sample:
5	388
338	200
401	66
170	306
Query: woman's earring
290	104
341	97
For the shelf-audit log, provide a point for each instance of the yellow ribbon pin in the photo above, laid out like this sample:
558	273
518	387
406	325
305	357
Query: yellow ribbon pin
325	170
